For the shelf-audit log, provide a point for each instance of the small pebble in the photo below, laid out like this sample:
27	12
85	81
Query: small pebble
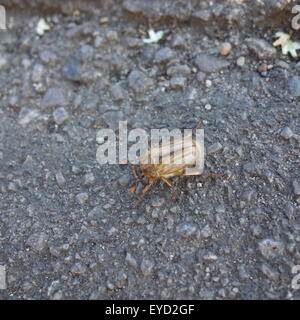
282	64
294	86
78	269
131	260
54	97
112	231
112	35
206	232
264	74
99	41
209	64
214	148
296	187
186	230
26	116
76	170
37	73
250	167
164	55
139	82
82	198
208	83
179	70
37	241
124	180
241	61
177	82
89	179
147	267
48	57
178	41
60	179
262	48
210	257
201	76
3	62
225	48
287	133
60	115
117	92
87	52
263	67
12	187
157	202
270	248
57	295
269	272
103	20
247	195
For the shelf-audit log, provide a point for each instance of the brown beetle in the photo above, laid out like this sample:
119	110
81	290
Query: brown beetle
168	166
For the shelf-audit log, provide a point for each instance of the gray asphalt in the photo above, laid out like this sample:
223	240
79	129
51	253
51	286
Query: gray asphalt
67	228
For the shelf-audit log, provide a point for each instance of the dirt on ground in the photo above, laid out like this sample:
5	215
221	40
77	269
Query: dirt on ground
67	226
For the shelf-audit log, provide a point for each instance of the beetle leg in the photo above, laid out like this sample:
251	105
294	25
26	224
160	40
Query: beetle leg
148	186
174	194
167	182
135	174
171	186
132	189
137	177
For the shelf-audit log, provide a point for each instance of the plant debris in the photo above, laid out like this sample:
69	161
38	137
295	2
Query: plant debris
154	37
41	27
287	46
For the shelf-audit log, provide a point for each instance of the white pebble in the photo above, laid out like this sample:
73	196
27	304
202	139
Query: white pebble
208	83
240	61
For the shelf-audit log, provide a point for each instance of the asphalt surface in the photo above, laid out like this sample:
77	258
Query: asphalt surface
67	228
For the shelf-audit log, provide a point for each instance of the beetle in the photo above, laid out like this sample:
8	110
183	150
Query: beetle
169	164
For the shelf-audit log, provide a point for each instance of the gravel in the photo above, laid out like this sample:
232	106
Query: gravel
54	97
27	115
147	267
294	86
261	48
296	187
177	82
89	179
60	115
186	230
60	179
131	260
164	55
287	133
241	61
179	70
82	198
117	92
214	147
208	64
37	242
67	226
139	82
